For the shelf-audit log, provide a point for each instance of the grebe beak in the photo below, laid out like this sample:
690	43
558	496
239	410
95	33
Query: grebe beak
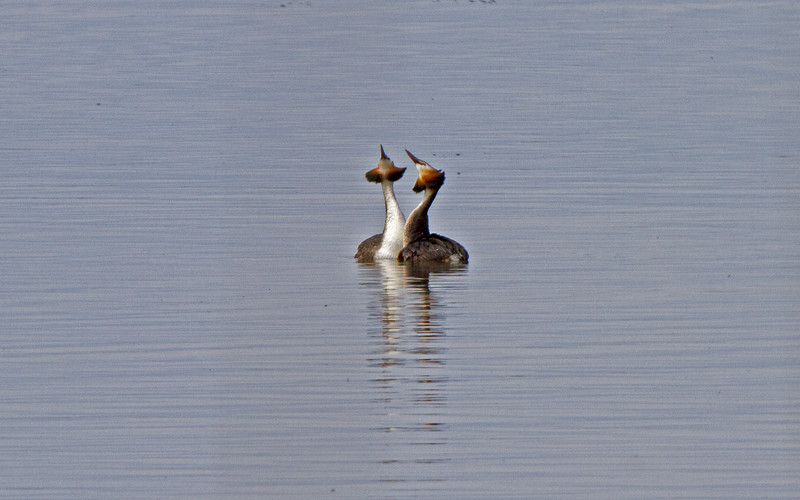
385	171
429	177
415	159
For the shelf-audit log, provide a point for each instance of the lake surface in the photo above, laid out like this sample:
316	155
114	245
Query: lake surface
182	191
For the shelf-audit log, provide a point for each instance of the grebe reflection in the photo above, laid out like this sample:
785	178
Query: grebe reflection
407	311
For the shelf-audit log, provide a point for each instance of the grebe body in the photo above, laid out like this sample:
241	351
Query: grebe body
388	243
420	245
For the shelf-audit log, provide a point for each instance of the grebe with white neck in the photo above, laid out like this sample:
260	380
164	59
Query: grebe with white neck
420	244
387	244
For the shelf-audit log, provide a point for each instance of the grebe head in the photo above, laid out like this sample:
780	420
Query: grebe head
385	171
428	177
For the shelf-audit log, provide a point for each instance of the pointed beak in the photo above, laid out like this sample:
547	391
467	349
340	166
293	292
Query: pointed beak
415	159
428	177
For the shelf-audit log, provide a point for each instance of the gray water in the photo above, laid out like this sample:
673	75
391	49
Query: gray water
182	192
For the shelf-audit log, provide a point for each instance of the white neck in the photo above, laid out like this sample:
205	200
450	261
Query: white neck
393	226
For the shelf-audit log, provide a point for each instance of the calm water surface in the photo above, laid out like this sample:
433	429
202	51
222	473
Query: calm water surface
182	191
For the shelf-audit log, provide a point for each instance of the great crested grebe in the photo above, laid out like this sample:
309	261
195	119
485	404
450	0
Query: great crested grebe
389	243
420	244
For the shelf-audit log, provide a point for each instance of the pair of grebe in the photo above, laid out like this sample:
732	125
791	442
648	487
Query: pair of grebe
409	240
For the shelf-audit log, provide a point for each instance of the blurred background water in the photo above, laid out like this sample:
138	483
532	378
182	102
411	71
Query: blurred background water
182	192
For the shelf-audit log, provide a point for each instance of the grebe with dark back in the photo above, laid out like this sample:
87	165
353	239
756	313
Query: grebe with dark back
420	244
